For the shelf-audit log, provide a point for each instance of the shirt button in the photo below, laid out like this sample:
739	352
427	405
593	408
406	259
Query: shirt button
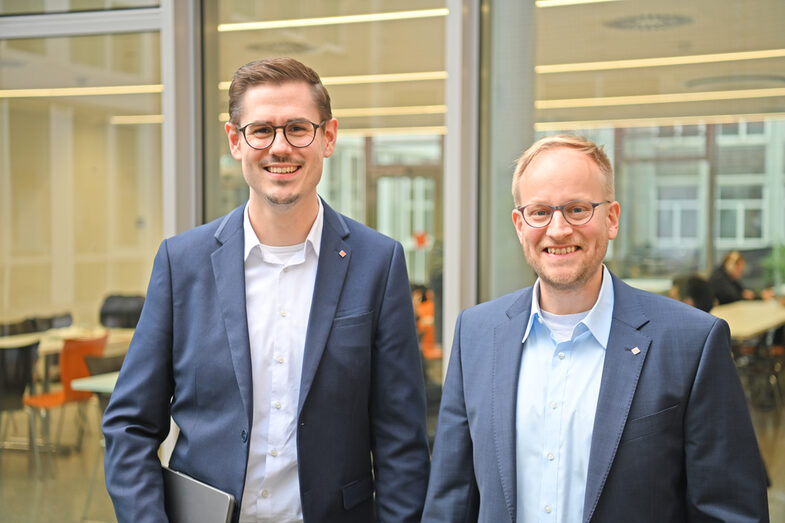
283	313
286	269
265	494
554	405
279	359
274	453
550	456
547	507
277	404
561	355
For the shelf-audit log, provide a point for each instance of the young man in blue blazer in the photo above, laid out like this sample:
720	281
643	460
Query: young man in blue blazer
280	338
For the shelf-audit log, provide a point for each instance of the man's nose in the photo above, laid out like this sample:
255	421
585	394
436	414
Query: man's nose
559	225
279	141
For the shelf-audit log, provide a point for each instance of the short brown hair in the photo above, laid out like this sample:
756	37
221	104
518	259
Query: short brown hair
568	141
276	71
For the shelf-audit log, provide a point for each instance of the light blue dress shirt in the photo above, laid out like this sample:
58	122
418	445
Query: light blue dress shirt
558	387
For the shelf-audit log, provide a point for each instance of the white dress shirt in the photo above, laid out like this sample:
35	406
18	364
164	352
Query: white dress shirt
279	283
558	388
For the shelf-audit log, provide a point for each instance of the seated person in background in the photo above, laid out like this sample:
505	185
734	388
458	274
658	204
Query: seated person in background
694	290
725	280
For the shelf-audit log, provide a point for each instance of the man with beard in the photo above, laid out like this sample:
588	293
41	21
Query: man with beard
581	398
280	338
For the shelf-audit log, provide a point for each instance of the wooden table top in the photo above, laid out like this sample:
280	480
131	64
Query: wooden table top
751	318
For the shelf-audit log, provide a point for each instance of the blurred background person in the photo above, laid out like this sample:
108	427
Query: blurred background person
726	283
695	290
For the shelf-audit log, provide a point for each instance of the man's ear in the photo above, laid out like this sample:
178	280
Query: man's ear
234	140
330	136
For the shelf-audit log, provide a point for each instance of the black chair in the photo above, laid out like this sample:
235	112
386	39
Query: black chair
58	321
16	376
121	312
19	327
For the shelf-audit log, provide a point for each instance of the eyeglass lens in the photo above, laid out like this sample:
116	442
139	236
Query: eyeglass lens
298	134
576	213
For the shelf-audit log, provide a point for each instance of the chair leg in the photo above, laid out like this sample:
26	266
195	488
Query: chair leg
82	420
60	427
33	441
93	477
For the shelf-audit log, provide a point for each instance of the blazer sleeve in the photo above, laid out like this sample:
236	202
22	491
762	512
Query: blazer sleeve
399	440
725	475
137	418
453	495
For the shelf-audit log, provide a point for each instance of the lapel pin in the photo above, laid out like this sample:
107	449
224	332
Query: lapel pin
635	351
342	254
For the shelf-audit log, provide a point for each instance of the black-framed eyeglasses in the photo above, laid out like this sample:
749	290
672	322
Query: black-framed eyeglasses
299	133
576	212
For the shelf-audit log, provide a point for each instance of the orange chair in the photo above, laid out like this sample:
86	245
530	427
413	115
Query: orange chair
72	366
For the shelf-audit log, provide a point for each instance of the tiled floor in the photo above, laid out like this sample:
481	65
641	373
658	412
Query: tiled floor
26	499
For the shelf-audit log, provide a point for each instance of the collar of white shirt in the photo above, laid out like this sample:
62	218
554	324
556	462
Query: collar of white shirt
599	319
314	238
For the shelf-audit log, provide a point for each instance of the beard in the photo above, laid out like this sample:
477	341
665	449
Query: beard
569	278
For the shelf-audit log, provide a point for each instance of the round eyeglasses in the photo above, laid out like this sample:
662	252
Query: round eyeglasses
299	133
577	212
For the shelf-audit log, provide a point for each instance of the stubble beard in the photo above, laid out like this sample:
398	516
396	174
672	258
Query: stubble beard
569	281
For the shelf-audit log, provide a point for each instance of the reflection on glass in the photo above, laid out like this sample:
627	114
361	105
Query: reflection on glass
387	85
81	216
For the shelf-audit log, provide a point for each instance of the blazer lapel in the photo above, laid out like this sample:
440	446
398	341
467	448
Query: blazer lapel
620	375
507	351
330	275
229	272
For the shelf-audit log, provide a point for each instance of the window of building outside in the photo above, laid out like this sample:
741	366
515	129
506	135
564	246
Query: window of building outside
80	170
384	66
688	99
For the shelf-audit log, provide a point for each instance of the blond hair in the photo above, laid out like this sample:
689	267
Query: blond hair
567	141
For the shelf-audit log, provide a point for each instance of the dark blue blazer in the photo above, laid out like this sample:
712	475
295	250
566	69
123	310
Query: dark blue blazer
361	438
672	438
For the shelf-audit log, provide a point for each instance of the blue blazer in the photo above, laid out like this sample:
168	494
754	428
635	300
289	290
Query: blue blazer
361	414
672	439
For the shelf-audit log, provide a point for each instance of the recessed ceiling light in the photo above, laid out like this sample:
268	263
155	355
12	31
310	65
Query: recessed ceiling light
649	22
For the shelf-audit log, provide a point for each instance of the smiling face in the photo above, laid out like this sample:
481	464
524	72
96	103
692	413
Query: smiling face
566	257
282	175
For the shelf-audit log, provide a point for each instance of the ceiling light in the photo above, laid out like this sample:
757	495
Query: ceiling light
623	123
81	91
333	20
393	131
649	22
659	62
706	96
371	78
561	3
349	112
136	119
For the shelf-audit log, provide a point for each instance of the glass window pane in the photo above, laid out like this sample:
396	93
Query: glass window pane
741	192
741	159
727	224
82	161
689	223
753	223
386	81
677	192
755	128
665	224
